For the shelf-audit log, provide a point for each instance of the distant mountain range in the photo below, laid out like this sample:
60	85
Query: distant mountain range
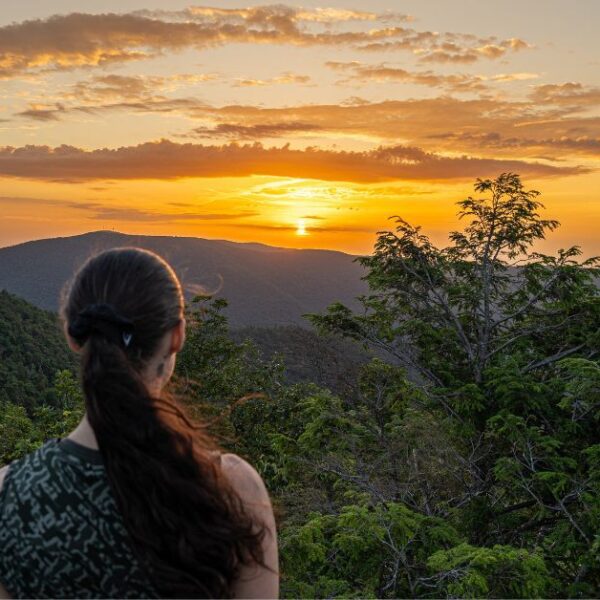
264	285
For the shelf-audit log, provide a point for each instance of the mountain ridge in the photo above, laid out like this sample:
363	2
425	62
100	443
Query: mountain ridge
110	232
265	285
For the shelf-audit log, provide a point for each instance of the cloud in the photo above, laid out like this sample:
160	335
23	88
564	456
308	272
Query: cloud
252	132
432	47
180	204
572	94
116	86
284	78
168	160
120	213
102	88
157	104
440	124
113	91
85	40
134	214
319	15
39	112
359	72
309	228
337	15
577	145
552	125
502	77
101	212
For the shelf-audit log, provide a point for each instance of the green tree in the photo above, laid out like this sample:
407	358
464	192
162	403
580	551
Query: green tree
17	433
503	343
214	373
496	572
215	368
21	433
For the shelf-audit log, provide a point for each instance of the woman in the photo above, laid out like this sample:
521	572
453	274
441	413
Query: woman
136	501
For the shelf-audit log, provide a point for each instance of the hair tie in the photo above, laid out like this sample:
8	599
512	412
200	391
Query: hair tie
102	319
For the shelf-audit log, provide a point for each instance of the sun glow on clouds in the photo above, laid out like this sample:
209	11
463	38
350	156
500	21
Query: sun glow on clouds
290	200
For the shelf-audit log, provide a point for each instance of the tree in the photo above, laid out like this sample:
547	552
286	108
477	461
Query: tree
213	372
21	433
504	343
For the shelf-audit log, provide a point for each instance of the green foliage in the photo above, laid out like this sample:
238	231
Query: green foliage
214	367
39	396
503	343
17	432
465	464
61	419
497	572
214	373
378	551
32	349
21	433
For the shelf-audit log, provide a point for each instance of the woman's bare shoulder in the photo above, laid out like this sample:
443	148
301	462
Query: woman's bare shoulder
254	581
243	477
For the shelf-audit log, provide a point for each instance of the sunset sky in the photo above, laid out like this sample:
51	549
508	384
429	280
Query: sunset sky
297	125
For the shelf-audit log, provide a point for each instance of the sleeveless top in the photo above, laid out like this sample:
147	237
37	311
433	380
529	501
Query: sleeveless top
61	532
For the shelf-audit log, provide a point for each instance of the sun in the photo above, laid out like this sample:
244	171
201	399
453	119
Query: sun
301	229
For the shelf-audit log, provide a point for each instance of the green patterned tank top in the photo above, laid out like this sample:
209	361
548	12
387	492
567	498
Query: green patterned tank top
61	533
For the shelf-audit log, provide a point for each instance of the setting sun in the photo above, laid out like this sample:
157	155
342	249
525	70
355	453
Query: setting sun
301	230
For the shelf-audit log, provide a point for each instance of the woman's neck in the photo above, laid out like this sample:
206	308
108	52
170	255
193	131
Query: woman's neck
84	434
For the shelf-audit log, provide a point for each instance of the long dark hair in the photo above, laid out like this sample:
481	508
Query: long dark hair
188	527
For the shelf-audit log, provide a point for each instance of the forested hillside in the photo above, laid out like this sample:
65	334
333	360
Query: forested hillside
32	349
461	455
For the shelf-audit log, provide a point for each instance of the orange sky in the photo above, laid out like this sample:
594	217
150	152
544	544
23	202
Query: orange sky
300	127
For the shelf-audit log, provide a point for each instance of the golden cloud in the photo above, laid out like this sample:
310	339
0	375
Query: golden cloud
572	94
169	160
359	72
478	126
284	78
102	88
551	127
80	40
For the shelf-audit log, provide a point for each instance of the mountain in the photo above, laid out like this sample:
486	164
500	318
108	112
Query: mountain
32	349
264	285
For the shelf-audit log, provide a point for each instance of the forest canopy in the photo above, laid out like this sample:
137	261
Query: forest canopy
460	458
